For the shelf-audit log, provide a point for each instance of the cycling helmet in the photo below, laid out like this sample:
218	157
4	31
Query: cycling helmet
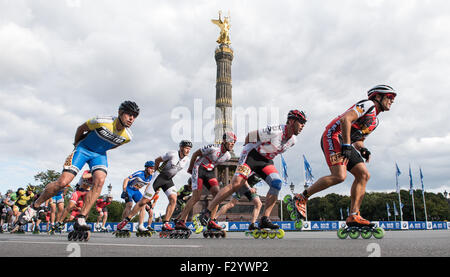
380	89
129	106
229	137
149	164
297	115
185	143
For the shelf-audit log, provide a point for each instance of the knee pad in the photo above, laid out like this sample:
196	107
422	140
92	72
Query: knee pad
275	183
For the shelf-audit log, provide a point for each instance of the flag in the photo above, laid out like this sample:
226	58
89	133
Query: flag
397	174
309	178
342	217
387	208
284	165
421	180
410	181
348	212
395	210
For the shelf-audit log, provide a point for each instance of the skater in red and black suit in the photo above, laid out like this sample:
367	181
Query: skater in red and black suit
344	149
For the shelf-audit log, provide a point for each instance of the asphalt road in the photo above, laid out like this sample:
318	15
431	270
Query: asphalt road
424	243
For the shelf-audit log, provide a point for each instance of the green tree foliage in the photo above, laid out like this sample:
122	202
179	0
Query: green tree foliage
374	206
46	178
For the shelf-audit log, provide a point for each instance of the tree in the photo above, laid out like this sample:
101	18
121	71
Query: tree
46	178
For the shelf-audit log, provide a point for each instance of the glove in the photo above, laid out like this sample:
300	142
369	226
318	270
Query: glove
365	153
125	196
346	150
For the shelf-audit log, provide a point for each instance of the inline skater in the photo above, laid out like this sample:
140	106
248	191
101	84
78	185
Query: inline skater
260	148
201	167
183	195
92	140
168	165
149	208
84	184
343	145
57	204
250	192
131	186
102	208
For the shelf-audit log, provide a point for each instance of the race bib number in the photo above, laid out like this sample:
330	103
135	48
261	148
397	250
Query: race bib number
243	170
336	158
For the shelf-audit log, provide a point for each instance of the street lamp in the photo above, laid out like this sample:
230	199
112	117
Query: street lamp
109	188
445	194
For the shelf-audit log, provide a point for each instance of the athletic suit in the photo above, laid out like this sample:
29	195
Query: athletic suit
102	205
171	165
203	170
258	157
136	181
101	137
332	136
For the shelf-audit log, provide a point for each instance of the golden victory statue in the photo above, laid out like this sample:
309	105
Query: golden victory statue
224	37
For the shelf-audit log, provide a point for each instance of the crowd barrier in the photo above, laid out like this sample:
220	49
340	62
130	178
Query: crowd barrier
286	225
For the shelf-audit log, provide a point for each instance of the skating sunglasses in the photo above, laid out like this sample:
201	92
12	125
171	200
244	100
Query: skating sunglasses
390	96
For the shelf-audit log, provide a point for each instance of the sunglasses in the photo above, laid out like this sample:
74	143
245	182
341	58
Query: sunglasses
390	96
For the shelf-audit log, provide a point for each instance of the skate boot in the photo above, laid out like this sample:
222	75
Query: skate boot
53	228
121	233
214	230
81	231
103	230
357	225
297	208
141	231
202	219
252	230
268	229
167	231
182	230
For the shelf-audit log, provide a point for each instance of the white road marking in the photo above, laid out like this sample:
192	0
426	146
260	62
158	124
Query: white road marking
103	244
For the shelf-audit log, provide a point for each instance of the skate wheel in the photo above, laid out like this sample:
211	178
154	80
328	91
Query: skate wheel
70	236
205	235
342	233
223	234
366	234
378	233
199	229
217	235
354	234
256	234
287	198
272	235
264	234
280	234
87	236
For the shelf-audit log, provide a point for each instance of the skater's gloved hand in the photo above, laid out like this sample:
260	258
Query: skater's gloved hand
124	195
346	150
365	153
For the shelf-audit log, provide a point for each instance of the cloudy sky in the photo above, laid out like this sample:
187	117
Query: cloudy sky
65	61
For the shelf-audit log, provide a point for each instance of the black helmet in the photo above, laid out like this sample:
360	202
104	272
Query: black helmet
297	115
185	143
130	107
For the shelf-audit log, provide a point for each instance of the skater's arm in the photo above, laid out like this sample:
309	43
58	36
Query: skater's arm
346	125
80	133
197	154
158	161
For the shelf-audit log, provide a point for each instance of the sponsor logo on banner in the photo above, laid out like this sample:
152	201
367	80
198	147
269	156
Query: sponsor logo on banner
342	224
404	225
306	226
224	225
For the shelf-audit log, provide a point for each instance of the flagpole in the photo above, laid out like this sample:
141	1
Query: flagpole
423	195
411	191
398	191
